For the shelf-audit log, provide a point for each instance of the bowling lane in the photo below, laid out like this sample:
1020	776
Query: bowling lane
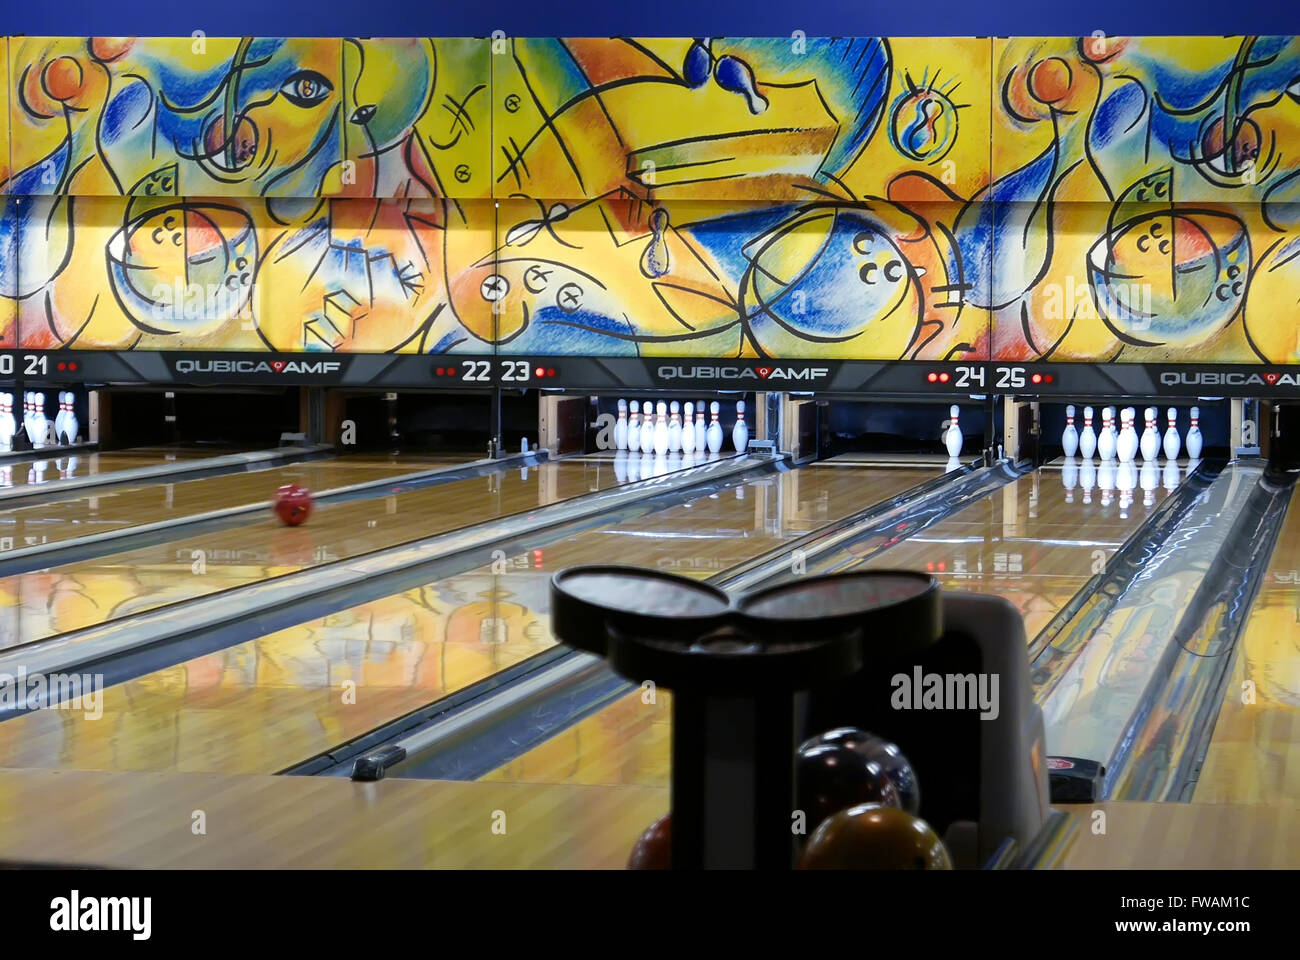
1254	753
268	704
1035	542
151	502
41	604
49	466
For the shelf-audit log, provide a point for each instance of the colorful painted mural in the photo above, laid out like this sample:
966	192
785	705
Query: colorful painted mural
1045	198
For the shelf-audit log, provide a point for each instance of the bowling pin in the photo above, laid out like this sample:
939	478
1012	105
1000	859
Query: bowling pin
1070	437
1194	436
648	429
714	434
40	426
740	432
701	429
27	416
674	427
620	465
620	428
661	429
953	440
634	428
6	420
37	472
1148	480
1126	446
1087	439
1150	438
1172	443
688	428
1070	477
1088	479
1106	439
58	417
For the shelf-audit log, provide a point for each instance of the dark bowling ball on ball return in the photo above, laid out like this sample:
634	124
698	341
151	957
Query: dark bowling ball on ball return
654	848
874	837
833	776
884	753
292	504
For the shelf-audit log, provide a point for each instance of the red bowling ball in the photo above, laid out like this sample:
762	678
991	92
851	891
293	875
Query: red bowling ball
292	504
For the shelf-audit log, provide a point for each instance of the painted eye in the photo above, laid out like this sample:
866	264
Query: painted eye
1293	91
306	88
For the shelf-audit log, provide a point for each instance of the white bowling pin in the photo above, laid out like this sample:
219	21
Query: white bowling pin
59	417
648	430
953	441
1150	437
37	472
620	428
701	428
1106	439
1070	436
6	421
1070	477
688	428
27	416
1088	479
715	429
954	463
1194	436
674	427
40	426
1149	480
1172	443
1087	439
1126	446
634	427
740	432
661	429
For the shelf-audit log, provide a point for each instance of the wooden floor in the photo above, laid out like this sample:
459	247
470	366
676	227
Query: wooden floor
1029	543
29	469
35	606
1254	755
152	502
268	704
1185	836
147	820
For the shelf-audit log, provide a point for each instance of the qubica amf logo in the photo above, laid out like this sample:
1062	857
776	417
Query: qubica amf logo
1227	378
319	368
756	374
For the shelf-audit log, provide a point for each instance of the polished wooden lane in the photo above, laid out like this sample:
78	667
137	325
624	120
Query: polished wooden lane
47	468
1034	542
154	501
268	704
147	820
1185	836
1254	754
35	606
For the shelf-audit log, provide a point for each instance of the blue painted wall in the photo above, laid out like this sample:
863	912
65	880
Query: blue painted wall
644	17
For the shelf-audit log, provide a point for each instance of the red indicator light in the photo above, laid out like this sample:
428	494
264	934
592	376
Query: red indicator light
929	567
62	366
1047	378
439	371
932	377
550	371
538	557
540	371
1036	378
943	378
942	566
72	366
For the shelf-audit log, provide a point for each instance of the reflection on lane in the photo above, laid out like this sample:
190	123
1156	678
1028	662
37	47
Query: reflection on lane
268	704
1035	541
35	606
